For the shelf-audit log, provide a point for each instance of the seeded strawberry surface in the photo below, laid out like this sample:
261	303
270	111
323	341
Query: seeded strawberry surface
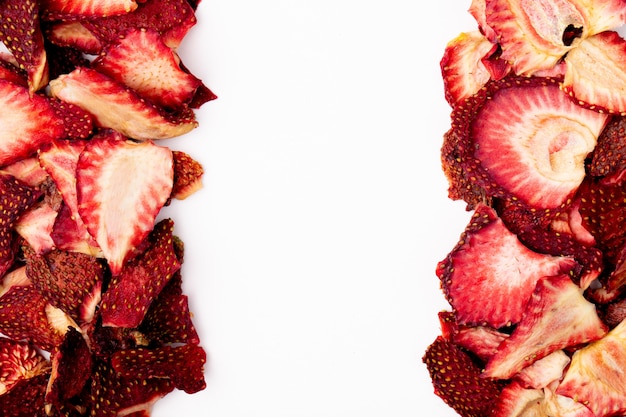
536	284
90	281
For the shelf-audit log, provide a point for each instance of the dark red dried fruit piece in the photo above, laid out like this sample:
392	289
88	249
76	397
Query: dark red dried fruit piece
64	59
183	365
609	156
187	175
77	122
19	361
65	279
26	399
21	33
130	293
457	381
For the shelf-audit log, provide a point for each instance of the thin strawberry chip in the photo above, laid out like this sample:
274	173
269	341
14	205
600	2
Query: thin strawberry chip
81	9
74	35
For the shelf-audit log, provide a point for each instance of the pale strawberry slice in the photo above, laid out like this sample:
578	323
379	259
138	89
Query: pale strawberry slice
25	40
516	401
557	316
36	226
19	361
595	75
121	187
115	106
85	9
143	62
544	371
490	263
73	34
462	68
538	155
478	10
28	121
595	375
533	34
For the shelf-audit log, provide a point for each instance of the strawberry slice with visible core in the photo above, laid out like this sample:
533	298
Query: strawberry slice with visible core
121	187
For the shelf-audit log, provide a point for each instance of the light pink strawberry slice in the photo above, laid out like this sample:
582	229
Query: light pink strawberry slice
84	9
36	226
121	187
143	62
73	34
517	401
595	376
557	316
538	154
490	263
116	106
595	74
545	371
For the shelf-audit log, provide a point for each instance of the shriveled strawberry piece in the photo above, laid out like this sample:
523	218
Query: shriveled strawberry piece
64	59
594	376
609	156
518	401
65	279
171	18
73	34
595	76
113	395
184	365
557	316
457	381
489	262
130	293
113	105
28	121
70	233
538	154
187	175
202	95
544	371
121	187
534	35
26	170
143	62
19	361
462	66
71	369
36	225
26	399
478	11
85	9
25	40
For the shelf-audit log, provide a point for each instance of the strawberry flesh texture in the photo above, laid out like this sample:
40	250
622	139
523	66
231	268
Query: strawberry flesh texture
490	263
187	175
72	35
35	227
85	9
130	293
19	361
457	379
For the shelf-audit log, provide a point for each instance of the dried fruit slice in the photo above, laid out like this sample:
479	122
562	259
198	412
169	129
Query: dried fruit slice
131	292
595	75
517	401
490	263
75	35
594	376
121	187
25	40
457	381
557	316
85	9
609	156
25	398
36	226
544	371
187	175
19	361
76	121
115	106
143	62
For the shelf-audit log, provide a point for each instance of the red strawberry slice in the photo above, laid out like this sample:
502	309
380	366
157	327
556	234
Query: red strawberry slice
115	106
595	76
609	156
490	263
457	381
36	226
19	361
25	40
27	171
545	371
187	175
121	187
26	399
183	365
557	316
143	62
70	233
131	292
595	375
74	35
462	67
28	121
85	9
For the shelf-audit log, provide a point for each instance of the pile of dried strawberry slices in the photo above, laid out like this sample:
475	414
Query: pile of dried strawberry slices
537	150
93	318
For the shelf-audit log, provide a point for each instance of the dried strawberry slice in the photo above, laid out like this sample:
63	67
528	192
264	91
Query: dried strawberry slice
19	361
121	187
84	9
143	62
130	293
609	156
557	316
183	365
26	399
73	34
489	262
187	175
114	105
594	376
77	122
545	371
595	75
457	381
25	40
35	226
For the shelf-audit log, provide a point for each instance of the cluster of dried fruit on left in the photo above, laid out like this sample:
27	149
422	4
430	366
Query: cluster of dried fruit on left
93	317
537	150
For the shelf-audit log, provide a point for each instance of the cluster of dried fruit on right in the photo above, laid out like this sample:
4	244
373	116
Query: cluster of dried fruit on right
537	150
93	317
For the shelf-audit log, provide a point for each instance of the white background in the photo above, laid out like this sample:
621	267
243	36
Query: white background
311	249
